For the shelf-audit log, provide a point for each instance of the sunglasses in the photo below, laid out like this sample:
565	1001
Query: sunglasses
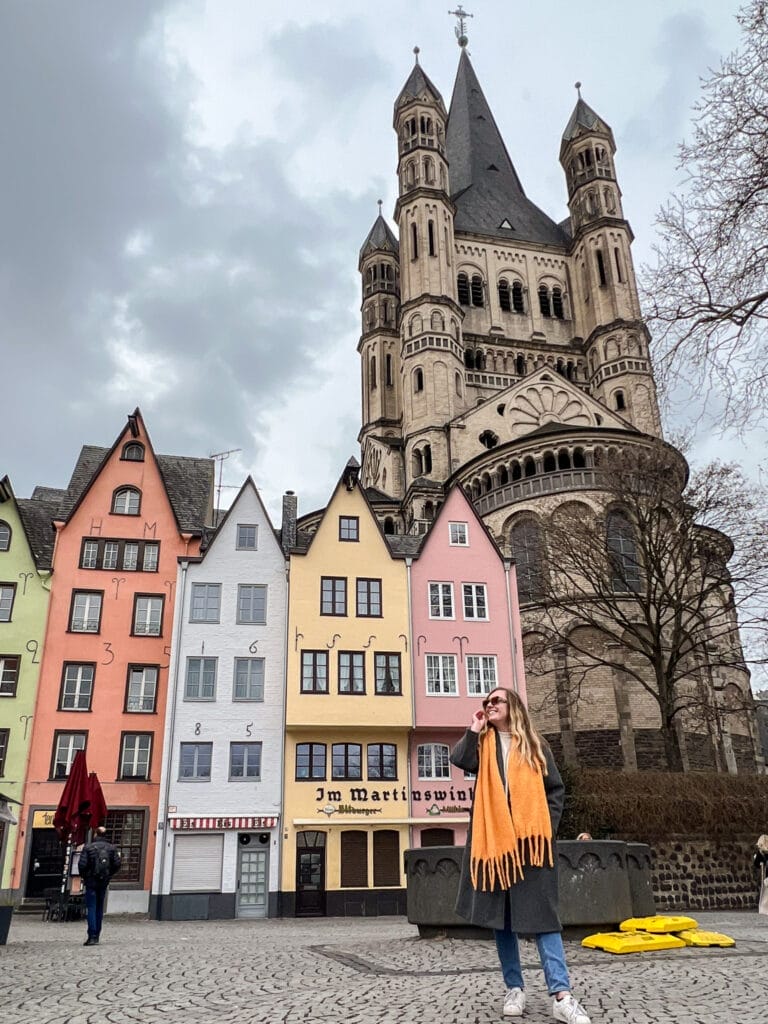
491	702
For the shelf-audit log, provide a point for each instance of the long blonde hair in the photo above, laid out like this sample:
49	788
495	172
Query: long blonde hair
524	735
762	844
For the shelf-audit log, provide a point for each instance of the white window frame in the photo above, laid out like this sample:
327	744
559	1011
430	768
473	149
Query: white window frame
251	663
111	554
477	665
77	692
143	622
206	616
457	531
246	776
238	537
131	556
9	677
441	662
196	777
473	591
203	670
124	501
441	589
428	751
253	587
141	754
85	597
151	557
68	739
142	691
90	558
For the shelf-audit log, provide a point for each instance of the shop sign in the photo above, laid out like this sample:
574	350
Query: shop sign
43	819
245	823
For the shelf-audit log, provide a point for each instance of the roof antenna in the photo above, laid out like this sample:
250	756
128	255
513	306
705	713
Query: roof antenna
577	87
461	15
221	458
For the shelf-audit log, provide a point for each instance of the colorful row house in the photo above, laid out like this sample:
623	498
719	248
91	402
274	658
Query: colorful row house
221	787
270	712
120	526
26	548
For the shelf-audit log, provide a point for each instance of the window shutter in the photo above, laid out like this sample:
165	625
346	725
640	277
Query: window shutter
386	858
197	863
354	860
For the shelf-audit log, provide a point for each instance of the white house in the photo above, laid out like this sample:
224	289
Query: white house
219	817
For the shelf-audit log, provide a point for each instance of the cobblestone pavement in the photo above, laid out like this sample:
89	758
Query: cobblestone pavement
352	971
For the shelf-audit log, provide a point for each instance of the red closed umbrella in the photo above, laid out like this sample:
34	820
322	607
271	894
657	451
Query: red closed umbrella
73	815
98	803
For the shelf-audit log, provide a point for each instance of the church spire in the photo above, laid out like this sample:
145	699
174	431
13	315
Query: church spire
484	183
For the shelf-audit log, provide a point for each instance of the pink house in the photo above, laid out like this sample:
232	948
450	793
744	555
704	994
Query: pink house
466	641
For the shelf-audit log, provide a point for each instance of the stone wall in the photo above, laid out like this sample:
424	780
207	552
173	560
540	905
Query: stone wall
703	874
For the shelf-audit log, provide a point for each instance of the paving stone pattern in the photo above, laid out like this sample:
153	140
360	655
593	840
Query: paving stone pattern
355	971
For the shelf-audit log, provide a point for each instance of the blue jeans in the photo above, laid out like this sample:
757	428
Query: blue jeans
94	905
551	954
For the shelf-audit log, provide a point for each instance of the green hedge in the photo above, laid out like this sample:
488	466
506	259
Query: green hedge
654	805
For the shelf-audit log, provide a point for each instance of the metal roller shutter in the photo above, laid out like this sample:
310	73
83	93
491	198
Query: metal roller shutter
197	863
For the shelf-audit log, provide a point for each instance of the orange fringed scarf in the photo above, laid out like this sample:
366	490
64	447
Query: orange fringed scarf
507	832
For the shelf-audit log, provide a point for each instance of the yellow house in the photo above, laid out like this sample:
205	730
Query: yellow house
348	715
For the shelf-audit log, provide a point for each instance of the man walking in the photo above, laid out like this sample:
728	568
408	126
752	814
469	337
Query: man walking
99	861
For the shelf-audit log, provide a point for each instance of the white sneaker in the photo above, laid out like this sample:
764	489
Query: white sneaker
569	1011
514	1002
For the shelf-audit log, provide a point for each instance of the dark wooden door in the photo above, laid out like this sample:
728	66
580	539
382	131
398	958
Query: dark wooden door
310	883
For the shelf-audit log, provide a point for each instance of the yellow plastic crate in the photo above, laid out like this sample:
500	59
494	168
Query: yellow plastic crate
631	942
698	937
659	923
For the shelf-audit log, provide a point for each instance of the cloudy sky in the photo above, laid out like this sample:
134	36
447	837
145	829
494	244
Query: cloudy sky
185	185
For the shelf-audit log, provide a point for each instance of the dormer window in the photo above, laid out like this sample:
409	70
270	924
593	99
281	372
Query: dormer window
126	501
133	452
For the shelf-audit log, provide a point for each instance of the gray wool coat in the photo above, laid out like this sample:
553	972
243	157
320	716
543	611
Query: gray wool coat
532	900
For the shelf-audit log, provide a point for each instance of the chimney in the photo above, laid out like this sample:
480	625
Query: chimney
290	511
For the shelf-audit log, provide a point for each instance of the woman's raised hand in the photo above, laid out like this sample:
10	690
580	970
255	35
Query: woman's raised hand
478	721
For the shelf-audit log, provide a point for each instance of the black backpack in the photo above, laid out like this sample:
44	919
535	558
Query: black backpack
104	857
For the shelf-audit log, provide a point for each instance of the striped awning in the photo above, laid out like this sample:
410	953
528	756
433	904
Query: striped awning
246	822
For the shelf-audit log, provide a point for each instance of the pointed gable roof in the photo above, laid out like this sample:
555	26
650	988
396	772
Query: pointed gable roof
188	481
584	119
223	518
36	517
484	183
380	239
418	86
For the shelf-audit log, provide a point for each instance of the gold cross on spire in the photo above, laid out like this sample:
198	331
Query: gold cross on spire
461	15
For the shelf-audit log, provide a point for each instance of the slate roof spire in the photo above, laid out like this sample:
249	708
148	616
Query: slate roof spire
584	119
484	183
418	86
380	238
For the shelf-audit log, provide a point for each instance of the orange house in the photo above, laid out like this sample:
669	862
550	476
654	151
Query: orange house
125	518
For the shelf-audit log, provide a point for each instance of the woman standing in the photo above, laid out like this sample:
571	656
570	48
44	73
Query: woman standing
760	861
509	878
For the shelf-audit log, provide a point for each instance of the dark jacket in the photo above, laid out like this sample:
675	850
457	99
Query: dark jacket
532	900
89	858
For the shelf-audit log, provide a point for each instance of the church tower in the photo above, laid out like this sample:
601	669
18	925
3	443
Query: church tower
616	339
432	358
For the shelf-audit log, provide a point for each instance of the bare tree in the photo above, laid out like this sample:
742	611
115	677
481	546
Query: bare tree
656	582
707	295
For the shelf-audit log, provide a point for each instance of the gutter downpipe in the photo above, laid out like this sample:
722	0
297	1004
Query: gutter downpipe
172	696
510	623
408	563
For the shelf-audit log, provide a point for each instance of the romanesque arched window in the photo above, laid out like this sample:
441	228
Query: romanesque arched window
520	366
517	297
623	558
418	379
544	307
417	462
462	287
126	501
414	241
505	298
427	458
431	238
528	555
477	290
372	378
557	303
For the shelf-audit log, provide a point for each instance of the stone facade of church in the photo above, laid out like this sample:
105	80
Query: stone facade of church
508	352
